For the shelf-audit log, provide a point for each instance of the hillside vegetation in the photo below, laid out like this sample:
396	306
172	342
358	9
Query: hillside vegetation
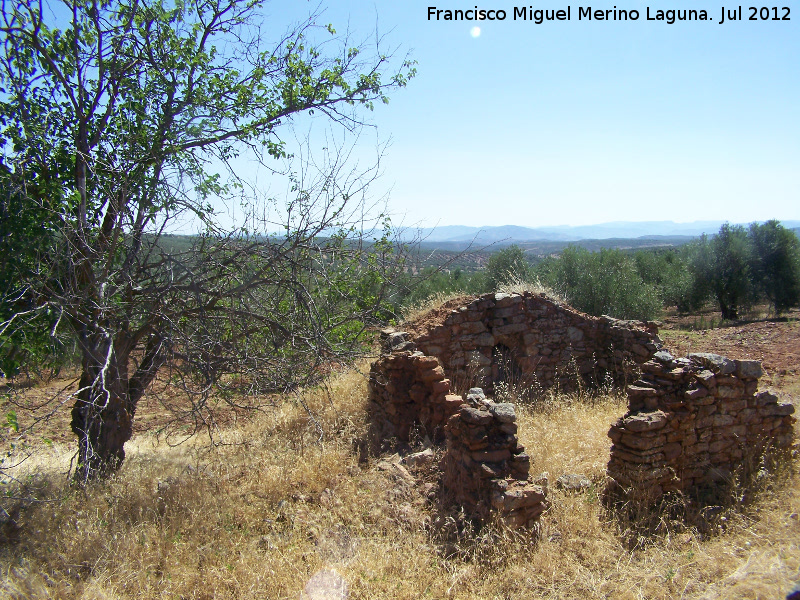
208	385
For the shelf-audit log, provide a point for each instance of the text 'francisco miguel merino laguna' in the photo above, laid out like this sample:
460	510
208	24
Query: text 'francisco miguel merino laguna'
585	13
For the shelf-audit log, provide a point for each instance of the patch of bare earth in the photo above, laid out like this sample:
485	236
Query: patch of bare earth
775	342
428	317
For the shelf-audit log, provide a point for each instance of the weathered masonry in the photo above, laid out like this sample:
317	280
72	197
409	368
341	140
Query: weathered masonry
691	422
520	338
527	339
533	340
409	394
486	469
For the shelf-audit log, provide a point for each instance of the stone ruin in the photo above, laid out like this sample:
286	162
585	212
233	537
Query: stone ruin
690	421
409	394
530	339
486	469
496	338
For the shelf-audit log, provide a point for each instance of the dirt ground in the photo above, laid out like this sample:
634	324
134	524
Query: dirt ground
426	319
43	411
775	342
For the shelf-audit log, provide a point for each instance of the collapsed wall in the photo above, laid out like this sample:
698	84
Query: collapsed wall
408	393
486	469
529	338
691	422
525	339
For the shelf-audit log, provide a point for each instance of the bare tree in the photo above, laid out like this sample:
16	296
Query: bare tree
112	126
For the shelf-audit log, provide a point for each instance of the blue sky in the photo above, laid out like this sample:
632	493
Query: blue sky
585	122
579	122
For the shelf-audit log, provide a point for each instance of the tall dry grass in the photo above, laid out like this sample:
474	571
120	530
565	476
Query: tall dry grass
414	311
535	286
275	513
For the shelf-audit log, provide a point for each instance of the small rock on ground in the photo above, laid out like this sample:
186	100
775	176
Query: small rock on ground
573	482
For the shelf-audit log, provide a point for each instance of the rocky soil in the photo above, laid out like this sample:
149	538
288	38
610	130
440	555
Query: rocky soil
775	342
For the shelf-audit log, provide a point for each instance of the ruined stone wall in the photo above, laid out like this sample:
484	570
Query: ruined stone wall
691	422
486	469
408	391
531	338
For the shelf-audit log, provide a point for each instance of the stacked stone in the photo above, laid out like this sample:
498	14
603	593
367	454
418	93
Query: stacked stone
408	390
691	422
551	344
486	469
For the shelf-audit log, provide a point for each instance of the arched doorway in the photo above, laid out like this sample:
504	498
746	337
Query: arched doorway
505	366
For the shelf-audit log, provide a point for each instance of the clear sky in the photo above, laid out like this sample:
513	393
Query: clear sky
584	122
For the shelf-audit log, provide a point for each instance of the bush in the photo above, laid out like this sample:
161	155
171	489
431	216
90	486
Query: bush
505	267
668	271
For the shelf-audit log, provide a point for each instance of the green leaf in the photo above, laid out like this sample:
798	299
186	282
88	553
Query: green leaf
11	421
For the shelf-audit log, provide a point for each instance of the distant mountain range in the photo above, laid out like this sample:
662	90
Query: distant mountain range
509	234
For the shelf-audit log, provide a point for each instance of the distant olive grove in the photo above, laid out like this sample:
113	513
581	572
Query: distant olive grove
734	269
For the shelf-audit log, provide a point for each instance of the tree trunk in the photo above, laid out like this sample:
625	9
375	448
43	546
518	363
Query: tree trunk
102	416
103	425
729	311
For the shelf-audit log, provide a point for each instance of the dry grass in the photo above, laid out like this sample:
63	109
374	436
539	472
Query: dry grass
275	511
519	286
413	312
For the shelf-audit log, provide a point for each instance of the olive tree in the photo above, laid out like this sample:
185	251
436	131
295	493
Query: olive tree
775	263
509	265
119	118
720	266
604	282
